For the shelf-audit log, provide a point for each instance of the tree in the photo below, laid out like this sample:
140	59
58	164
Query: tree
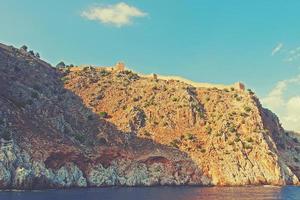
37	55
61	65
31	52
24	48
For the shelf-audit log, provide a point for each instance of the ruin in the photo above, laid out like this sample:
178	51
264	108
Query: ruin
239	86
120	66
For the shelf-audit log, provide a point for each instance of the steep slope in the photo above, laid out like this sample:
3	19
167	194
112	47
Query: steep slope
97	127
49	138
224	131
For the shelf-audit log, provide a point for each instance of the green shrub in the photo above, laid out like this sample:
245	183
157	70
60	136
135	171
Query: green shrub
295	140
135	99
250	140
34	95
64	79
61	65
239	98
244	115
24	48
90	117
219	134
31	52
208	130
247	146
103	72
103	114
203	151
6	135
147	134
80	138
174	99
250	92
190	136
175	143
247	109
232	129
201	114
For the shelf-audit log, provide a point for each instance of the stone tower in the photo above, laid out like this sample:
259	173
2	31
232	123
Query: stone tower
239	86
120	66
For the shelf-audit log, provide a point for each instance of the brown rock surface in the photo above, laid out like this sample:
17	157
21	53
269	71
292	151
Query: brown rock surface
97	127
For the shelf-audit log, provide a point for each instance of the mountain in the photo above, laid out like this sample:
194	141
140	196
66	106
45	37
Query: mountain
86	127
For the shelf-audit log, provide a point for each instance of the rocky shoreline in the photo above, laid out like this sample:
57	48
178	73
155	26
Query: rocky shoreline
97	127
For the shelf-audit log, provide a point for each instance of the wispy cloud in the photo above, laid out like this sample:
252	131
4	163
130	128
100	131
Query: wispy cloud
293	55
288	109
118	15
277	49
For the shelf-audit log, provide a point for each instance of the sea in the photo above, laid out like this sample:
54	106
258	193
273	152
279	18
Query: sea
158	193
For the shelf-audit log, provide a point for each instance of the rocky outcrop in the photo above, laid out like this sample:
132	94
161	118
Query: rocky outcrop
98	127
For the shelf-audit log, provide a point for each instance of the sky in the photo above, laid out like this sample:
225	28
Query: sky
256	42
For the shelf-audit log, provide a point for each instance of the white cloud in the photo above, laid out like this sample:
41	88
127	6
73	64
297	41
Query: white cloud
274	100
293	55
277	49
291	118
288	109
119	14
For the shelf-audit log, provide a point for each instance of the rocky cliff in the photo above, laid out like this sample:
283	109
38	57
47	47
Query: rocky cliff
100	127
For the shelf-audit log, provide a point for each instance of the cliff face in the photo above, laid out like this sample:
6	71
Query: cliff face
97	127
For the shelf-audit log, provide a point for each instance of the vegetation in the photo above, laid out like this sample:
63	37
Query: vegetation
104	72
6	135
201	114
208	129
190	136
34	95
147	134
247	146
90	117
250	92
250	140
61	65
31	53
247	109
295	140
80	138
103	114
64	79
232	129
24	48
174	99
175	143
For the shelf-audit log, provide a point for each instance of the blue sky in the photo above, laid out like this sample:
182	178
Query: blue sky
221	41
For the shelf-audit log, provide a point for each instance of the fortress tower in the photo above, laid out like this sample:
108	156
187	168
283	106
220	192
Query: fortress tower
120	66
239	86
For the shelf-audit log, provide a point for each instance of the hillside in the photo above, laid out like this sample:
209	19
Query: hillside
101	127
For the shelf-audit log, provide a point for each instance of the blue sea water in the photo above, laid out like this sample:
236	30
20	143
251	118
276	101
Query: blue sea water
158	193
